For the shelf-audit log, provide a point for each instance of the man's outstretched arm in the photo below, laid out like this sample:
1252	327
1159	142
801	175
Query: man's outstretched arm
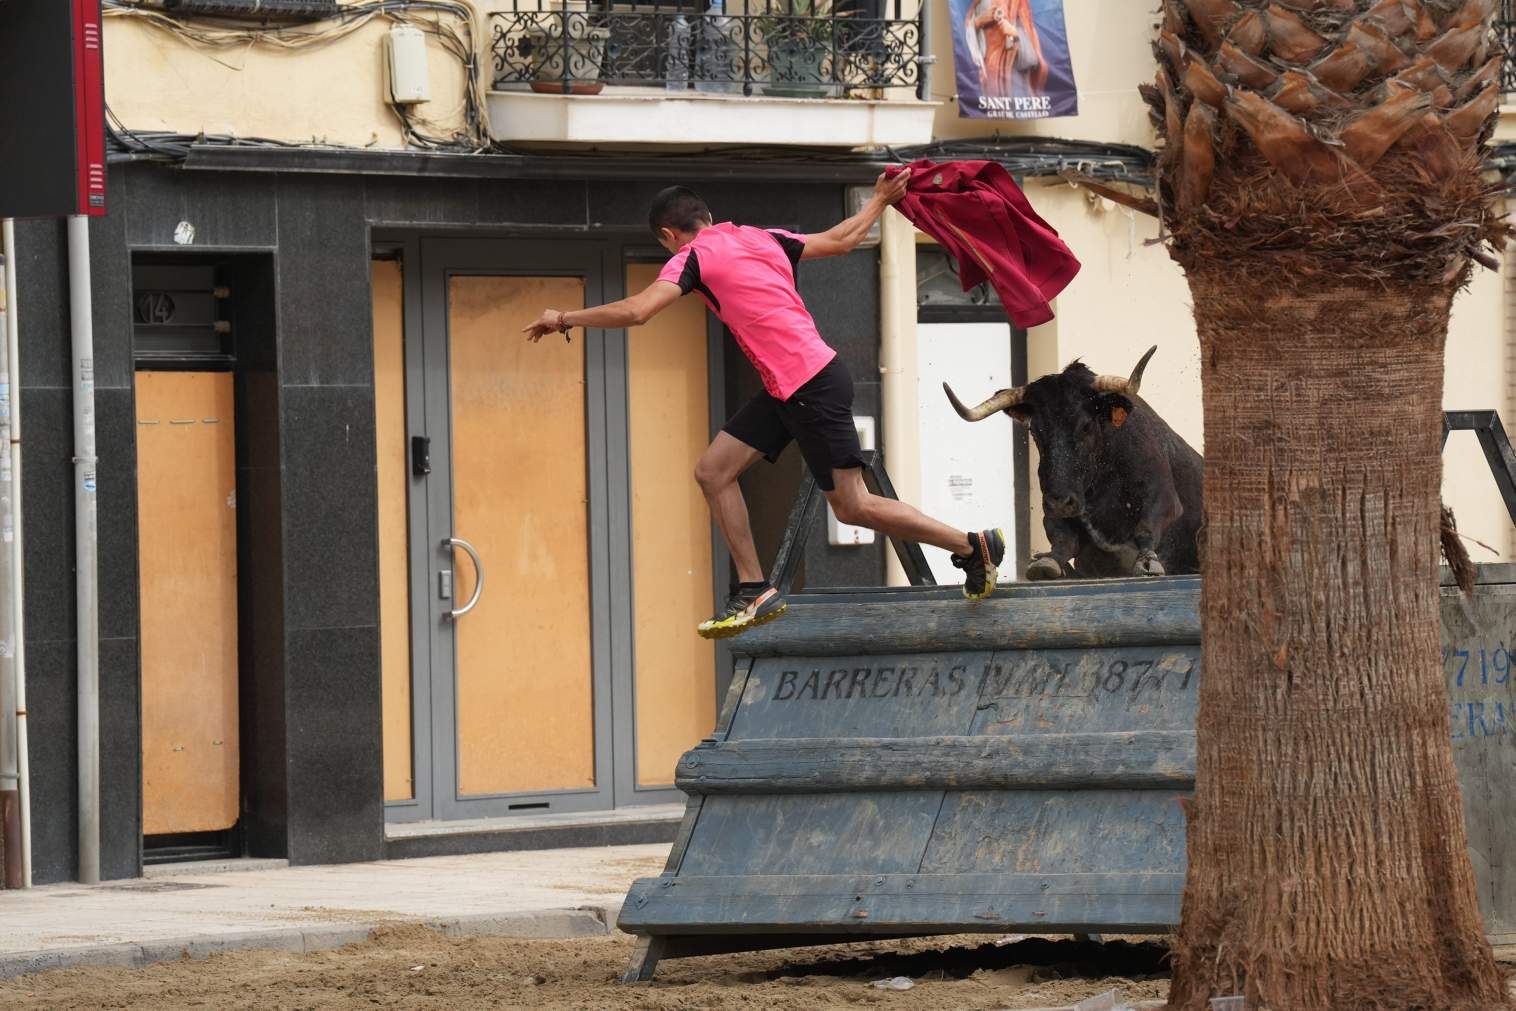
634	310
845	236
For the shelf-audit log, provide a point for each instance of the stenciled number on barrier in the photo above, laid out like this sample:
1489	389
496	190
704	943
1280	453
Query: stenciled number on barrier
1481	665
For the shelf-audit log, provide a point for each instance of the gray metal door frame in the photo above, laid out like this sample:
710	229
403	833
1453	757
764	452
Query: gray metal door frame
429	258
420	807
440	260
624	685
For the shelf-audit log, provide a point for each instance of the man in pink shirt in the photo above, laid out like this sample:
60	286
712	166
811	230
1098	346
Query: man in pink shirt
746	276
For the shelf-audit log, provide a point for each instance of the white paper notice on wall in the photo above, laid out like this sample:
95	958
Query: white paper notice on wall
839	534
967	479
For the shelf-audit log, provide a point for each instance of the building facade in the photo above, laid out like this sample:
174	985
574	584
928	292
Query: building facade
379	578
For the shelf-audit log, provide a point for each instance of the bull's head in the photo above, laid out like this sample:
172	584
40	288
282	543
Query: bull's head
1072	416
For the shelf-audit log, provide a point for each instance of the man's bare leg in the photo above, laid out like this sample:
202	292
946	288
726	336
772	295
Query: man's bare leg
855	505
722	463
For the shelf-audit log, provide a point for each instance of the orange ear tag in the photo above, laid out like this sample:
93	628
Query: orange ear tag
1118	416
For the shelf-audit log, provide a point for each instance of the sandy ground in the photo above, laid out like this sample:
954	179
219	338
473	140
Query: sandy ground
413	967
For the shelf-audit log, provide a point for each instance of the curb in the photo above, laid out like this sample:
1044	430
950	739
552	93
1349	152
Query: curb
546	924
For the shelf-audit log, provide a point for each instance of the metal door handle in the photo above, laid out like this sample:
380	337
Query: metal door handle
458	542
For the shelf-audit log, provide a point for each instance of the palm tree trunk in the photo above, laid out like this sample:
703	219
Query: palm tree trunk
1327	854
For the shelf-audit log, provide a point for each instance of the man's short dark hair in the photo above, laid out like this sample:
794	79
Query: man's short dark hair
679	209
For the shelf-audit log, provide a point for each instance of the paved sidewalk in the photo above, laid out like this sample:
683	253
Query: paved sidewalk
198	911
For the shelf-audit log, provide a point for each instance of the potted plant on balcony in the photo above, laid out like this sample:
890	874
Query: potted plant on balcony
799	43
567	35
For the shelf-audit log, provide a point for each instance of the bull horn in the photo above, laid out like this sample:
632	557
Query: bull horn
1002	401
1130	385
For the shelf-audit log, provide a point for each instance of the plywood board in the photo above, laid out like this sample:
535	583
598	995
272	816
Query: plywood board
669	407
187	539
520	496
393	477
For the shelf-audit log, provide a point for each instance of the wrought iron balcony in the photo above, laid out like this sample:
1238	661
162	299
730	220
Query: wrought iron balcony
1505	34
787	48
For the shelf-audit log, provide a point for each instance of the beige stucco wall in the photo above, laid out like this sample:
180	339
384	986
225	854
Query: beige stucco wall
1477	367
1129	295
333	94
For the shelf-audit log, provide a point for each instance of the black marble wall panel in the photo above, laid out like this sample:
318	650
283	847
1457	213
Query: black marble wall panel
42	302
534	202
116	513
325	309
336	788
51	704
111	295
120	759
797	206
47	497
469	203
330	502
226	210
842	293
334	751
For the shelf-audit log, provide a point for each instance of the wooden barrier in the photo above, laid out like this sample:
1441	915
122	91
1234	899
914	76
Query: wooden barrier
895	763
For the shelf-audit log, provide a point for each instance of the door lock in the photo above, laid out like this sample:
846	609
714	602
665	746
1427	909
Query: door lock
445	584
421	455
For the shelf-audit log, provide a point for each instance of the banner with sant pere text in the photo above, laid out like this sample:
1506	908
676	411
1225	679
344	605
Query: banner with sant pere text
1012	59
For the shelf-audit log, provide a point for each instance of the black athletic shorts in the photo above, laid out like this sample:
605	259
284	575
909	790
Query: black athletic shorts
818	416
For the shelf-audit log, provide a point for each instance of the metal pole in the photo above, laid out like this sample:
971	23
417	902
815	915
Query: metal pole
926	58
10	770
85	548
898	366
17	574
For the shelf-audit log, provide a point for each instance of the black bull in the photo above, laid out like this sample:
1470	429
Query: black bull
1121	491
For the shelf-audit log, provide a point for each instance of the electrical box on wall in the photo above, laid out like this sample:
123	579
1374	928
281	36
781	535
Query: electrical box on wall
409	83
839	534
52	122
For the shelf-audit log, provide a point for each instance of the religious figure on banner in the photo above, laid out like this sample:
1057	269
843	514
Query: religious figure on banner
1012	59
1002	41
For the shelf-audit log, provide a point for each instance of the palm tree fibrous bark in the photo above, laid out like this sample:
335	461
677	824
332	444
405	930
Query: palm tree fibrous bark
1320	182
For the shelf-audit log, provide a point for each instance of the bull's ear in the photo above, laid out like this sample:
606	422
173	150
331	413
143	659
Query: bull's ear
1021	412
1114	408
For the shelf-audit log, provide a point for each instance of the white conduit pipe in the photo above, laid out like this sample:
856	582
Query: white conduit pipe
10	775
86	548
17	562
898	366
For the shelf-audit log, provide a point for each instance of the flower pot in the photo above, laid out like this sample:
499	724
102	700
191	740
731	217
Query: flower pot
585	50
795	70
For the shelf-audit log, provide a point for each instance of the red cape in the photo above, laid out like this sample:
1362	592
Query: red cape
975	211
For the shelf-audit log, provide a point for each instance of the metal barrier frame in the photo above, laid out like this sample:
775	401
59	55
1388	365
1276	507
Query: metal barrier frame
1496	445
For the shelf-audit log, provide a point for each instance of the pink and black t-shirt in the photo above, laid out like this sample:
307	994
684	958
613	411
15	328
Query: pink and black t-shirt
747	276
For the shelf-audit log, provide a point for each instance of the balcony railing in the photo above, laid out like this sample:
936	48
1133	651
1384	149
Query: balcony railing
1505	35
787	48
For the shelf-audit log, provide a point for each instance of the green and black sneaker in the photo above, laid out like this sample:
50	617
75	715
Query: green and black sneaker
980	565
750	604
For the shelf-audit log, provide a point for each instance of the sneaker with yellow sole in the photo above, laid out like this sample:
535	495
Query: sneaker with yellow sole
980	565
750	605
